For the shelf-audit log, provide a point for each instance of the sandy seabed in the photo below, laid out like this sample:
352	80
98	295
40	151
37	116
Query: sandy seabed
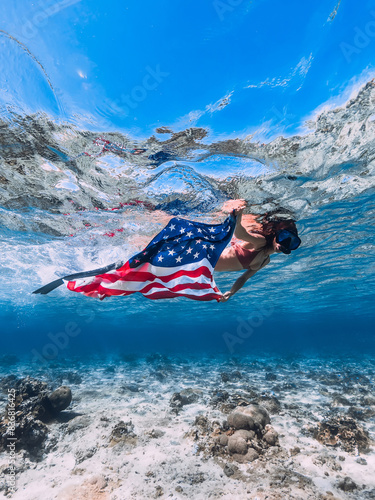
157	427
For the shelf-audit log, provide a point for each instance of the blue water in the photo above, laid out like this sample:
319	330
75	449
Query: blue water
246	102
267	101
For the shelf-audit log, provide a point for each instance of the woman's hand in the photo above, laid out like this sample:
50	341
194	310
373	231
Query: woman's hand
238	211
226	296
236	205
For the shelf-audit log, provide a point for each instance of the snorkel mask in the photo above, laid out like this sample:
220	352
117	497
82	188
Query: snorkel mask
287	240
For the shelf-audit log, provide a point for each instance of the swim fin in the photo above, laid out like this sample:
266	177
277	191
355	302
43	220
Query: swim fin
85	274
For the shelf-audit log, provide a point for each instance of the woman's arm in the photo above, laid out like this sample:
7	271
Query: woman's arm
257	240
238	284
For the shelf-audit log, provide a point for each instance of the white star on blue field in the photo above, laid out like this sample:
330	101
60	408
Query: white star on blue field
183	242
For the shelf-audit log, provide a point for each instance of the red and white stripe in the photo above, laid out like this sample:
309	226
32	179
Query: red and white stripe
194	281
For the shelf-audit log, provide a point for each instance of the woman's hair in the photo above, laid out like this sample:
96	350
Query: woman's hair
268	225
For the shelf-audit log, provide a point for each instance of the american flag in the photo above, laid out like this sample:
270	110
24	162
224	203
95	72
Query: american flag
178	262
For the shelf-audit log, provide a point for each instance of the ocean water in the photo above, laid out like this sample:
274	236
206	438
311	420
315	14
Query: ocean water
59	217
230	113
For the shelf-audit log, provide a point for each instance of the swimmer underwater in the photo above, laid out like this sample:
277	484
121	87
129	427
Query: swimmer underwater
251	250
180	260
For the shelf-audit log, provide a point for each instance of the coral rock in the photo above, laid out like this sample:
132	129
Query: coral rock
249	417
347	484
239	420
223	440
271	437
61	398
237	444
343	432
244	434
250	456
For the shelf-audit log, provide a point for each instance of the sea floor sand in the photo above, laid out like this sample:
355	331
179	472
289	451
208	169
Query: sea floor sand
142	428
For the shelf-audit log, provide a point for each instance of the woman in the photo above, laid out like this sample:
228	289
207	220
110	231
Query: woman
153	271
251	250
